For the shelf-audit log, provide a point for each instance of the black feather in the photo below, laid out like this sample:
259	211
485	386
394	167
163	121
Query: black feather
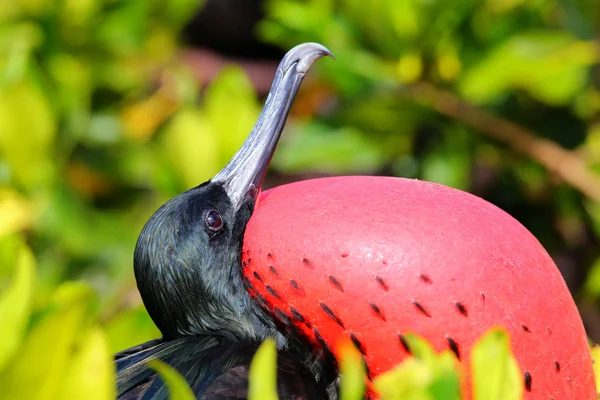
215	368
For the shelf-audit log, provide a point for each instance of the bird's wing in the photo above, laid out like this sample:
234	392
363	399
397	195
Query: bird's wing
215	367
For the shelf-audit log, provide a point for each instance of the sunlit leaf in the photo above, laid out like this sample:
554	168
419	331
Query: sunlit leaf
262	377
495	371
592	282
38	372
178	12
74	86
35	7
352	373
449	64
420	348
15	305
78	13
15	212
191	147
124	27
593	140
405	15
178	387
410	67
17	44
424	376
232	109
27	129
320	148
448	169
91	373
530	61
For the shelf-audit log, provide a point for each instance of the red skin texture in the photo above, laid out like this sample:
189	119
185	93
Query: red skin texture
393	242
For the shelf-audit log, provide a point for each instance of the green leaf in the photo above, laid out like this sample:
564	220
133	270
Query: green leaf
15	212
352	373
79	13
199	142
15	305
447	168
27	130
231	109
592	282
420	348
178	12
91	373
38	373
18	42
191	148
123	29
424	376
495	372
262	377
179	389
318	148
551	65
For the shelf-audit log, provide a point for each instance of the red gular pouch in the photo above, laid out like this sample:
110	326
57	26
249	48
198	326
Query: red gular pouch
371	258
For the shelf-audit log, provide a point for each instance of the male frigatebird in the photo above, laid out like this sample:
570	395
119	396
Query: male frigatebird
366	259
188	270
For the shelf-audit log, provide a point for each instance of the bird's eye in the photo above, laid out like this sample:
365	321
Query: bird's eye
214	221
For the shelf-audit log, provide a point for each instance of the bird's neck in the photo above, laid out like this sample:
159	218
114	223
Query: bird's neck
191	305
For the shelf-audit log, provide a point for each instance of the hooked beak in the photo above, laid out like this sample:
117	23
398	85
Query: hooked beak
244	174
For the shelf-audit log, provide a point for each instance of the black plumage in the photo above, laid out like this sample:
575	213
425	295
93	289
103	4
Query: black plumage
187	265
215	367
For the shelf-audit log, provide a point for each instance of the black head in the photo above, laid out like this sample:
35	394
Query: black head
187	258
187	264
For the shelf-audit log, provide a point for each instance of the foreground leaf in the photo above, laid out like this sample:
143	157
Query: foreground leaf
352	385
15	305
179	389
38	373
425	376
263	373
494	369
91	374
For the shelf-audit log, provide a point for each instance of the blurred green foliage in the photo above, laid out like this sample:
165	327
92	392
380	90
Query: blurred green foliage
178	386
56	349
101	121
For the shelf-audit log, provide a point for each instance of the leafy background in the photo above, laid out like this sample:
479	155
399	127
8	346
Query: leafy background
110	107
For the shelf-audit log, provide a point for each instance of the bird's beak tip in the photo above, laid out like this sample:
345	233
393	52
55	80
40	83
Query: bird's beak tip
304	56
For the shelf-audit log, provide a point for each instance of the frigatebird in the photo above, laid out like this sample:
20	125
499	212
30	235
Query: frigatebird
366	259
187	265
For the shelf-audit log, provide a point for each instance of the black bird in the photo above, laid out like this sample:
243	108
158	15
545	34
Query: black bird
188	270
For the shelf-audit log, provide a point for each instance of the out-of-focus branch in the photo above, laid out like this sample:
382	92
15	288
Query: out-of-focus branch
564	163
